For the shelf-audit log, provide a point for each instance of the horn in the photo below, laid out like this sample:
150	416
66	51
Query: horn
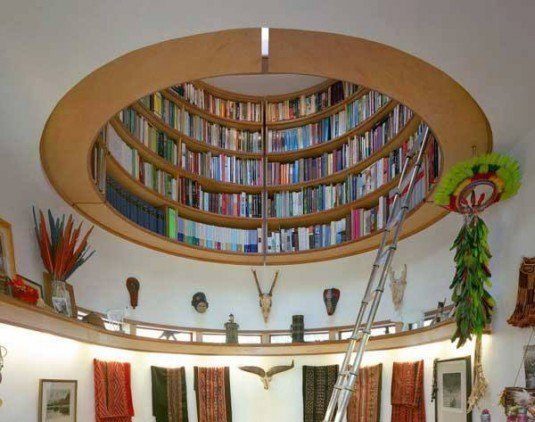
256	281
274	282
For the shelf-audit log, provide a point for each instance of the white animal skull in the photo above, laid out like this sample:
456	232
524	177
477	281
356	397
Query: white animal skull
265	299
397	286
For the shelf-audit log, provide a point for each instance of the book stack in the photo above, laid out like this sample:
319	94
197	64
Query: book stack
228	109
141	170
223	168
306	105
328	128
221	136
356	149
166	110
233	204
324	197
154	139
211	237
134	208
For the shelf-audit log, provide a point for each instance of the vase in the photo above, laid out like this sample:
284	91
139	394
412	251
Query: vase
298	329
61	301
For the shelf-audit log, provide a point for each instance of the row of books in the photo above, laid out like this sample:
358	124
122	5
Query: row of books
168	111
211	237
328	128
222	107
221	136
232	204
154	139
141	170
223	168
305	105
356	149
134	208
319	198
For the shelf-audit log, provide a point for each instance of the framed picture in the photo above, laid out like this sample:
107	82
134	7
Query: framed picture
7	252
33	284
453	381
57	400
67	306
529	366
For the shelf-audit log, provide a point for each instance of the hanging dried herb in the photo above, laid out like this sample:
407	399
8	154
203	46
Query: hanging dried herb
473	303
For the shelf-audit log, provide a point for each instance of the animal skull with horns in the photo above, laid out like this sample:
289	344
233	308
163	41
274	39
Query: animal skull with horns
266	299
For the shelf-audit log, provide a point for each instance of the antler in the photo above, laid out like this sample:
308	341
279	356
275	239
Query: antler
253	370
278	369
256	281
274	282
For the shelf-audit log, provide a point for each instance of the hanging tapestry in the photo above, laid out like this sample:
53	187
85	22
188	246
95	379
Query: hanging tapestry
407	395
365	403
113	394
212	390
524	314
169	397
318	383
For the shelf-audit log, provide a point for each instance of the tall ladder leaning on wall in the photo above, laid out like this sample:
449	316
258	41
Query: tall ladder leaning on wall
349	370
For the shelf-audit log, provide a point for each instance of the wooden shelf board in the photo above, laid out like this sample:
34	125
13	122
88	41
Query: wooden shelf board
334	143
314	117
192	143
20	314
160	162
117	172
172	96
409	129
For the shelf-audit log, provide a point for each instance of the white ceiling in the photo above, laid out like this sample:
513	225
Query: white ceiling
264	84
47	47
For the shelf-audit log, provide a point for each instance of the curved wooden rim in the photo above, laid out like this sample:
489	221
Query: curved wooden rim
453	115
20	314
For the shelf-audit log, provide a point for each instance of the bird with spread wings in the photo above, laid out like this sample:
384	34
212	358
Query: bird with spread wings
267	376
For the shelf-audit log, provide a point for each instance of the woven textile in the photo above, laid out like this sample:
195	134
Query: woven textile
113	394
524	314
408	392
365	403
318	383
169	397
212	390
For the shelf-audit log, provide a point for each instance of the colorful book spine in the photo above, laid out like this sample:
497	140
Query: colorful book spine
305	105
211	237
134	208
232	204
236	110
327	128
355	150
157	141
223	168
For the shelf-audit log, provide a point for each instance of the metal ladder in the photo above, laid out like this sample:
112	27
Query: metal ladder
349	370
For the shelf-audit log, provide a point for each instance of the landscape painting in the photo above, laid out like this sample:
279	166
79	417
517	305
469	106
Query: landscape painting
57	401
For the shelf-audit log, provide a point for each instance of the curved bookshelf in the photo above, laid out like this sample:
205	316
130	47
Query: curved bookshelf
155	188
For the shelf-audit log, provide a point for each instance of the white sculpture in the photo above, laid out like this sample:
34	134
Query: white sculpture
397	287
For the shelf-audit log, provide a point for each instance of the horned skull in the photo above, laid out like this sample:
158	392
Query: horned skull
265	299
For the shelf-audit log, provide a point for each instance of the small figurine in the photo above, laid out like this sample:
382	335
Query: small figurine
298	328
199	302
231	330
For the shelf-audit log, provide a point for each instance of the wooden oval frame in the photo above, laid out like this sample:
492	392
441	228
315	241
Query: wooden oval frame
456	119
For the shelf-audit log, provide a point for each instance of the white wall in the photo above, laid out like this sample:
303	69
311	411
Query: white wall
33	356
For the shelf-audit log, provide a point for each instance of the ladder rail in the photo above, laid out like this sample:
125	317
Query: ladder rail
374	290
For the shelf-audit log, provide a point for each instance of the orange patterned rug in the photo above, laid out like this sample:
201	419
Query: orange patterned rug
212	390
408	403
113	395
365	403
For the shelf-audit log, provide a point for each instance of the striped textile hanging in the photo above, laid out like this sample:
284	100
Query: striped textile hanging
212	390
318	383
113	393
169	396
365	403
